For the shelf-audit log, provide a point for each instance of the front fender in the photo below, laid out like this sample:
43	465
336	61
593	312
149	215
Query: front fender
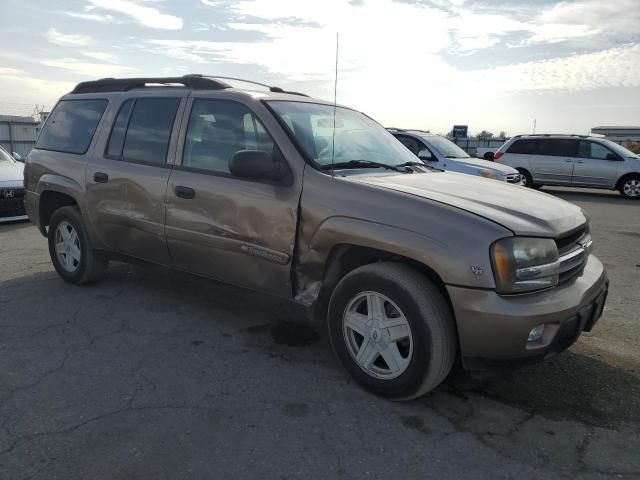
451	265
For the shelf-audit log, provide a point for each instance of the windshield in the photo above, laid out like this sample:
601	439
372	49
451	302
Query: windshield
619	149
446	147
4	156
357	137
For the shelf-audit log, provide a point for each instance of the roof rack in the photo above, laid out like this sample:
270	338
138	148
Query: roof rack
196	82
193	81
271	88
550	135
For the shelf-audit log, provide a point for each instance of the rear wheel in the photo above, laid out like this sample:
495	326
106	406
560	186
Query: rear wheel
630	187
71	253
392	330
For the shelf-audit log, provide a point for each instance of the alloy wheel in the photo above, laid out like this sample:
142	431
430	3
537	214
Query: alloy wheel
631	187
378	335
67	246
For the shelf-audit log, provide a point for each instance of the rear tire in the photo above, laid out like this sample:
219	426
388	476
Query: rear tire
392	329
71	252
630	187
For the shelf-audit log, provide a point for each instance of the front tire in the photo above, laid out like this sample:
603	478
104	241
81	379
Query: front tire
71	252
392	329
630	187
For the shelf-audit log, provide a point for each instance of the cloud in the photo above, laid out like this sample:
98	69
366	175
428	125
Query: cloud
145	15
32	89
102	56
87	69
67	40
93	17
613	67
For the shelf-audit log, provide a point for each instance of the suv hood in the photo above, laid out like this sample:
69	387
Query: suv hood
11	173
492	166
521	210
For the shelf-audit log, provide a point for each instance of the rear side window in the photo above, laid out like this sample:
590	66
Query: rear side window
71	126
557	147
142	130
524	147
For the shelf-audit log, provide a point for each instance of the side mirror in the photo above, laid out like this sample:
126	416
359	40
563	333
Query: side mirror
18	157
257	165
612	156
425	155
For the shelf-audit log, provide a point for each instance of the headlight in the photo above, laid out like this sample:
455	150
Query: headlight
523	264
490	174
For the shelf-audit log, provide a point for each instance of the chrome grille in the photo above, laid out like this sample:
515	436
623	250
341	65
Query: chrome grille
574	249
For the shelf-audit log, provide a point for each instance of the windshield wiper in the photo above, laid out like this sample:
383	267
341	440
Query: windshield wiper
363	163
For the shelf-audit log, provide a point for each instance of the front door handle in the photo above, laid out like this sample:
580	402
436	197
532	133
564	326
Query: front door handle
568	160
185	192
100	177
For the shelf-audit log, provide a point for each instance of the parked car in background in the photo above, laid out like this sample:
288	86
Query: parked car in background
442	154
410	268
486	152
11	188
573	161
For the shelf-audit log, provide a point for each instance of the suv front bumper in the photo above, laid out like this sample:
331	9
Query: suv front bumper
495	328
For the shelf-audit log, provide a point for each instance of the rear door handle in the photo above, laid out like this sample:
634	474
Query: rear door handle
185	192
568	160
100	177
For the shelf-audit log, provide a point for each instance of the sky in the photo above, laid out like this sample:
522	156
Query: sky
494	65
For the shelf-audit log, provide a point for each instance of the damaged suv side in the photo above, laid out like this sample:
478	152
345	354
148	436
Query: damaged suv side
291	196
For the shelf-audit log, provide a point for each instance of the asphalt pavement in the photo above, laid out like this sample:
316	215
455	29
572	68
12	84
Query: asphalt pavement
153	374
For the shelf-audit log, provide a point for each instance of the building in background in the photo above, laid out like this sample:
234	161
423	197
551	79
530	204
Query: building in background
18	134
628	137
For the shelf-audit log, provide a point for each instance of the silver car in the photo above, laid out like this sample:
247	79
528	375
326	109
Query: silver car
573	161
11	188
442	154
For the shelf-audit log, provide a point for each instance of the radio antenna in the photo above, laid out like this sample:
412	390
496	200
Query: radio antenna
335	98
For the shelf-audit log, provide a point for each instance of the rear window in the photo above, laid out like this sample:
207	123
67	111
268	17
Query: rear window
522	146
71	126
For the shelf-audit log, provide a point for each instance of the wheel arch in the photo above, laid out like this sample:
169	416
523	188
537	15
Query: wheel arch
624	177
50	201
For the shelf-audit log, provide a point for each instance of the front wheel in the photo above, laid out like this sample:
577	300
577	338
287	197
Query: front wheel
392	329
71	252
630	187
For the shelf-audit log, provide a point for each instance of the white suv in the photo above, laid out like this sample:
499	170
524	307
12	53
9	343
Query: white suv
573	160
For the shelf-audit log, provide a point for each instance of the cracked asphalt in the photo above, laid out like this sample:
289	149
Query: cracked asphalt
153	374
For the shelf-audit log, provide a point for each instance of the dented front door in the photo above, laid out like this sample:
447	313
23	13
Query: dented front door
233	230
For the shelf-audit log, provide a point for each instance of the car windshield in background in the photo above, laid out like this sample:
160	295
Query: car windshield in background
620	149
357	137
4	156
447	148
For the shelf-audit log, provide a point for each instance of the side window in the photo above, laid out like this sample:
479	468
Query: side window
557	147
524	147
217	130
116	140
149	130
71	126
593	150
412	144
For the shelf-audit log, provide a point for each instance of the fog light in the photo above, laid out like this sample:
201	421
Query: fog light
536	333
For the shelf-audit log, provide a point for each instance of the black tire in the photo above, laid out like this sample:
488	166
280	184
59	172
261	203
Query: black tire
91	265
625	183
427	313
